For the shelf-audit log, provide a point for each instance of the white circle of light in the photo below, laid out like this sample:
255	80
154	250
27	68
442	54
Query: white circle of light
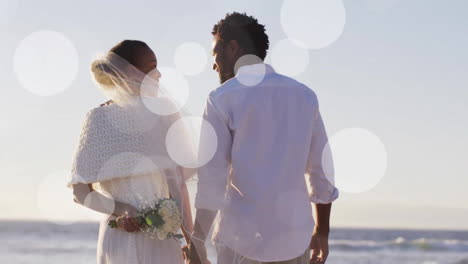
250	70
46	63
314	23
146	165
171	95
191	141
288	58
190	58
102	199
359	160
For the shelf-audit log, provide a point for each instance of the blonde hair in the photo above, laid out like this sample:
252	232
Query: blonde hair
101	73
117	78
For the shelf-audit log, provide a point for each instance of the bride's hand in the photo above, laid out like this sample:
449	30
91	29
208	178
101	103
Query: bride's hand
127	223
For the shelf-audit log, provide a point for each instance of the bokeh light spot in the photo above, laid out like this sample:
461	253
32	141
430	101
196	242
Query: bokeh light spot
46	63
190	58
288	58
186	150
314	23
359	157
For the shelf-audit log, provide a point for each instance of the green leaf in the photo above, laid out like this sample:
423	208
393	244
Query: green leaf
154	220
112	224
149	220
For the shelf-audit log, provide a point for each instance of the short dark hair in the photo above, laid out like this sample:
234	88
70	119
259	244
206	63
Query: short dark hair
245	30
128	50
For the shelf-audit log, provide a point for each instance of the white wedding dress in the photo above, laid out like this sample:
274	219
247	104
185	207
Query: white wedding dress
122	153
119	247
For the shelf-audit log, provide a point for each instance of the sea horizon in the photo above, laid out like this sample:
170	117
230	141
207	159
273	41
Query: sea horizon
35	241
394	228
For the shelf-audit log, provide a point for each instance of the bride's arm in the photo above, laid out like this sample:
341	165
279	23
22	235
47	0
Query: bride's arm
99	202
178	190
187	224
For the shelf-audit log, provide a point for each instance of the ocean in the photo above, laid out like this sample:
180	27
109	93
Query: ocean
43	242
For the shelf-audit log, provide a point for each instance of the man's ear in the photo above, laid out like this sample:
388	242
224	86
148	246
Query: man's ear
233	48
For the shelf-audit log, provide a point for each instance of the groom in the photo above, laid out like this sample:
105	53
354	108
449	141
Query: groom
270	135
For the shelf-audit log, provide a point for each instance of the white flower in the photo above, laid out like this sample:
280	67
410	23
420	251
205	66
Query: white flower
161	235
164	212
169	212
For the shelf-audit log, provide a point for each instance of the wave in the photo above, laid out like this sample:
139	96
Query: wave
84	235
462	261
400	243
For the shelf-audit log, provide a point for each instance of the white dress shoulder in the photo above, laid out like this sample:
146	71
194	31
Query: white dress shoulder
122	151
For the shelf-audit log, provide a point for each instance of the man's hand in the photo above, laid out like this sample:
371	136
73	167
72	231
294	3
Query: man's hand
319	247
319	241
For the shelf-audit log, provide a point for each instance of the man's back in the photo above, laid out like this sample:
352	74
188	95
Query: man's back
269	136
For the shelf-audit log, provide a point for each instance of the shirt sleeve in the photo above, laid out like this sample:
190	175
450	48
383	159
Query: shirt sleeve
213	176
320	170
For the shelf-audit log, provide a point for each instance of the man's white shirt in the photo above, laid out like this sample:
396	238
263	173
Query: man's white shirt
268	166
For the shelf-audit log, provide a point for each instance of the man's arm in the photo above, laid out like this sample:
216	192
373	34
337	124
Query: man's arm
212	179
322	221
320	169
323	192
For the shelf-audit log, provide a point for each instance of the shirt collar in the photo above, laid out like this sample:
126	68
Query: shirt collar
255	69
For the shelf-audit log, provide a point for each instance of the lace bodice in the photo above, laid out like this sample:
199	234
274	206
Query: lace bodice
120	142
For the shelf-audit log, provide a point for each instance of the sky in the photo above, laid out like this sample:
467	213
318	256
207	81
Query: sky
394	78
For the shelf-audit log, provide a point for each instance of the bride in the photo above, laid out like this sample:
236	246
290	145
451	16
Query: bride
122	162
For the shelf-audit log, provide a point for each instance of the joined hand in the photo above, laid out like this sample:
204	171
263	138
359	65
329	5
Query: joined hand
192	256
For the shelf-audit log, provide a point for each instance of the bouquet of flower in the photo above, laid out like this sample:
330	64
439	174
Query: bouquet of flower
161	220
